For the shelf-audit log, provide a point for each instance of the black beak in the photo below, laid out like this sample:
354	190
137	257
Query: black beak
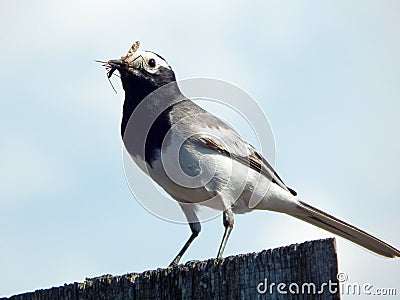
114	64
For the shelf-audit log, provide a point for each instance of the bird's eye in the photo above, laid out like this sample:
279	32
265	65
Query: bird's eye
152	62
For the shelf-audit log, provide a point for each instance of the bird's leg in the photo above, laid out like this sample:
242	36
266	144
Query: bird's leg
195	227
228	221
190	213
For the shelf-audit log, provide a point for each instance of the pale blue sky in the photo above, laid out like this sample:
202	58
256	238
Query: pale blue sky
326	73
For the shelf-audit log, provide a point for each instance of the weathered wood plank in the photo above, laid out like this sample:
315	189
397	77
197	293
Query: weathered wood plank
235	277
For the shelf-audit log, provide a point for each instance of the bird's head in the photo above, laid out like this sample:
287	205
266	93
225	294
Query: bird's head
141	72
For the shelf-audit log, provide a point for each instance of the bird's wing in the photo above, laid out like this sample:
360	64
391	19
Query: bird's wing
250	157
213	133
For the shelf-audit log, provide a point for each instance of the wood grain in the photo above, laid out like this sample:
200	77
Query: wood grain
234	277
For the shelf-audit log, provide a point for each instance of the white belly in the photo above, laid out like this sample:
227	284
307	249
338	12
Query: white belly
208	178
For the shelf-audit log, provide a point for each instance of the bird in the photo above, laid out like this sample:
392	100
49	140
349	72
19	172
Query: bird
200	160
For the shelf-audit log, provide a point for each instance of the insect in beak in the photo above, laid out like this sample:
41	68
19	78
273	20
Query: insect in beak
112	65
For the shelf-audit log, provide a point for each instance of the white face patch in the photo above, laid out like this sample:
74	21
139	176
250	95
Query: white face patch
147	60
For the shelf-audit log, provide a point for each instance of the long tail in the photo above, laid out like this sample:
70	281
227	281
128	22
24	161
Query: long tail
325	221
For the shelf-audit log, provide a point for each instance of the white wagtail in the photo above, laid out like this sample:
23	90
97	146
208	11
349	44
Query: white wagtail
200	160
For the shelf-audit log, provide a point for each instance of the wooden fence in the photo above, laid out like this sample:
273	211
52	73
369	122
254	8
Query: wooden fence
300	271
